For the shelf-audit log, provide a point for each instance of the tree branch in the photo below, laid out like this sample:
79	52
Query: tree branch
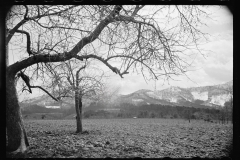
114	69
70	82
28	41
26	79
52	27
12	31
158	31
136	10
62	56
26	13
77	74
45	91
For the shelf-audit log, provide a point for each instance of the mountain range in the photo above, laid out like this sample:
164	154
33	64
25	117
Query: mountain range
206	96
210	96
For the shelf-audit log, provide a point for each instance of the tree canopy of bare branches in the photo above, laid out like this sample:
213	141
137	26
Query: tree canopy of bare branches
153	40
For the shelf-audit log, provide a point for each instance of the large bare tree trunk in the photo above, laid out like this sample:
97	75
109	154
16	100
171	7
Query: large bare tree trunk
17	141
78	106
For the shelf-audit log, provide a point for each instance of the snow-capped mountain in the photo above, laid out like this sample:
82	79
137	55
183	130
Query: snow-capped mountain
212	96
206	96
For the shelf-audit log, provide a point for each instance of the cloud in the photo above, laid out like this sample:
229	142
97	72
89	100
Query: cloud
130	83
220	68
217	66
194	78
220	74
217	28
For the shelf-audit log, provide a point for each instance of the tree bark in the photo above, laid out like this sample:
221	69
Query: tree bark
17	141
78	106
80	114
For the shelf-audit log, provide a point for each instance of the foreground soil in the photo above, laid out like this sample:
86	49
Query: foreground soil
128	138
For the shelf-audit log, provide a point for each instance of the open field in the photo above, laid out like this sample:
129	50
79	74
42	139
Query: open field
126	138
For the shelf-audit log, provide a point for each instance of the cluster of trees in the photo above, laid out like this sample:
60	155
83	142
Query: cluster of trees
226	113
39	109
32	109
161	111
98	114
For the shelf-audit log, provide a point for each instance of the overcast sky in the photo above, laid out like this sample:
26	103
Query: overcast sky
215	67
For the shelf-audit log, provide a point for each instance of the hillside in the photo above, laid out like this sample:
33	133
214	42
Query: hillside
198	97
211	96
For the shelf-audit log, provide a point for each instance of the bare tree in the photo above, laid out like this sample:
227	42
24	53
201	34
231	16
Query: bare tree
147	39
70	79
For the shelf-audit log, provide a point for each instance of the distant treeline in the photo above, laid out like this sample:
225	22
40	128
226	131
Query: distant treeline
153	111
41	109
126	110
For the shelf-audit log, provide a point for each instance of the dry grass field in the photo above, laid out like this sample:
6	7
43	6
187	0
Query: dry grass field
128	138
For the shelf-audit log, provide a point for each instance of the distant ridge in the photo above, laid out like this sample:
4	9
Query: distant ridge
204	96
211	96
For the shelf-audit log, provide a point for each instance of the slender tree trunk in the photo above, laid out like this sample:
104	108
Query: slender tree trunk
78	112
17	141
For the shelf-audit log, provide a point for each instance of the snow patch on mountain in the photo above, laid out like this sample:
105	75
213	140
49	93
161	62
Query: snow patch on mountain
220	99
175	89
173	99
187	99
200	95
137	100
153	95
